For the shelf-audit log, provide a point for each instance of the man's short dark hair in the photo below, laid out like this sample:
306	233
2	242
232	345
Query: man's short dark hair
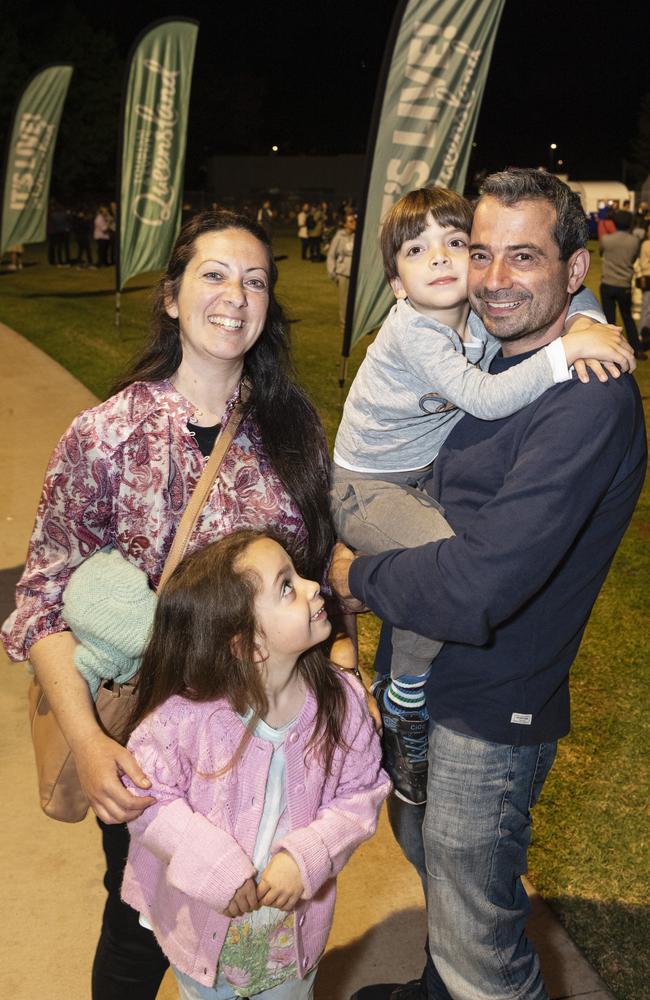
623	220
525	184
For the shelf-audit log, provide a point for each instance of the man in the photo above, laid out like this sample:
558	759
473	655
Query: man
539	502
265	218
619	250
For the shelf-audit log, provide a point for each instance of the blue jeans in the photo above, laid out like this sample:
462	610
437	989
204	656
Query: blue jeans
476	834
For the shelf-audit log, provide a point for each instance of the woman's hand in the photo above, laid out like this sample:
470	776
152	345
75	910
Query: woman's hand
244	900
100	761
280	883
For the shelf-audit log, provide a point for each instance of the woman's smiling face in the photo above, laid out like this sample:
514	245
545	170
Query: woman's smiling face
223	299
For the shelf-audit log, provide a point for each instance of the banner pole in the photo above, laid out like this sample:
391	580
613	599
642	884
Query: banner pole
343	376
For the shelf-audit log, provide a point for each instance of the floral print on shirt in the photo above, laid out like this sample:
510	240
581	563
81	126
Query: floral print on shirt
122	475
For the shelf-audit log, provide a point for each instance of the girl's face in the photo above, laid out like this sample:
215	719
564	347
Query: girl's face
289	610
223	299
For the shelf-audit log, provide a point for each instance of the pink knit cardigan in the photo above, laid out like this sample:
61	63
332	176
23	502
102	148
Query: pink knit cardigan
191	851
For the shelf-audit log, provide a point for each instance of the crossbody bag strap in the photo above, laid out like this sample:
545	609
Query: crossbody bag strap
202	489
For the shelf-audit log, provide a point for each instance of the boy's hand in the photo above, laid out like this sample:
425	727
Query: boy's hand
583	367
280	883
588	343
244	900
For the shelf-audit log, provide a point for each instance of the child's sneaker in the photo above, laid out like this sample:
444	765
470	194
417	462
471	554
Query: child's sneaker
405	743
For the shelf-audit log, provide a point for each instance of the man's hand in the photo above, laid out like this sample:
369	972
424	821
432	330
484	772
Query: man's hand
280	883
244	900
342	559
100	761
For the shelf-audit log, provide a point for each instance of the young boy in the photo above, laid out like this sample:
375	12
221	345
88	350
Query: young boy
417	380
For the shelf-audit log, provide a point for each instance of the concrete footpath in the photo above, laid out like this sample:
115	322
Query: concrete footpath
51	872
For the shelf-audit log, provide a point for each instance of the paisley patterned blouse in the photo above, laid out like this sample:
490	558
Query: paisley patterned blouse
122	475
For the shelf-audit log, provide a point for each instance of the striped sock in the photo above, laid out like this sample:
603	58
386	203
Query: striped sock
407	692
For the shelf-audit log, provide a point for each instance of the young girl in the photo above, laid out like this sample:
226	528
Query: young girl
265	767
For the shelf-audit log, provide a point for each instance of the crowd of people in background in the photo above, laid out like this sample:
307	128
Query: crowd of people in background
625	251
84	236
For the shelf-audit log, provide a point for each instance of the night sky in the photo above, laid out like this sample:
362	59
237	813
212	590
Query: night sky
566	71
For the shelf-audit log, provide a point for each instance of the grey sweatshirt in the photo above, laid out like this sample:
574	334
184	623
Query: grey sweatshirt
619	251
419	378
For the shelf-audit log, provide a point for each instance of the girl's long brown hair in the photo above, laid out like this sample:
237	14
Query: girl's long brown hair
204	606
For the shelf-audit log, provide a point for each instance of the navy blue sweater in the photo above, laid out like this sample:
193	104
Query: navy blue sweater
539	502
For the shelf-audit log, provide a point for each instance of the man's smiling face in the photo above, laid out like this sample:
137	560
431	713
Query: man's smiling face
517	283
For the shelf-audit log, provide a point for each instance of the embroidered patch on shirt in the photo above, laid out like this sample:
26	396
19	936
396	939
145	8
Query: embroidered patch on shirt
521	720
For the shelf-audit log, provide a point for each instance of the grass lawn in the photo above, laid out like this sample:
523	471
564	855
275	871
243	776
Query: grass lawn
590	856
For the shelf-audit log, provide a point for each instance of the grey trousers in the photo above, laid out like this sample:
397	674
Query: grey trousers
373	514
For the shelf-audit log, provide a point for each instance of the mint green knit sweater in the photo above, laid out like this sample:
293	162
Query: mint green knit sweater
109	607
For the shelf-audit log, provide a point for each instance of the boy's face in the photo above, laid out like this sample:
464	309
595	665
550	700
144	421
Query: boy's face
432	269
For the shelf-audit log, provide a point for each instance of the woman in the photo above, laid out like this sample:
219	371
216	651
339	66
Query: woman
101	235
122	475
339	262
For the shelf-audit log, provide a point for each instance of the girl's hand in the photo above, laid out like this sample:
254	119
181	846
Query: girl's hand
244	900
100	761
597	342
280	883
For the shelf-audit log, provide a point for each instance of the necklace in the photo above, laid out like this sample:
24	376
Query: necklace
196	413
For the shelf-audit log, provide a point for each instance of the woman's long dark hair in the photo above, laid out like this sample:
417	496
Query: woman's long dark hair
205	611
291	431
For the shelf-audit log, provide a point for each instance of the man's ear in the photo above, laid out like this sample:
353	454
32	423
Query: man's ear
171	305
578	267
397	287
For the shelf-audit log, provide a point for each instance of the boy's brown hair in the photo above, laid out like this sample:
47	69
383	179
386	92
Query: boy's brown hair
408	218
